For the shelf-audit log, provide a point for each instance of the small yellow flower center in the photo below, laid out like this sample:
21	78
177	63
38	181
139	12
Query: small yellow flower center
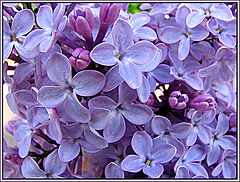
187	34
218	30
118	56
207	12
14	37
148	162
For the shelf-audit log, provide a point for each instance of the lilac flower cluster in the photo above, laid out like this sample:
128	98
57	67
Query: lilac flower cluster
86	89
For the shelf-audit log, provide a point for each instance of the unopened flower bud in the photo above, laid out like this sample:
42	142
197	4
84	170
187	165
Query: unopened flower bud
202	102
80	58
109	12
233	120
82	20
177	100
10	126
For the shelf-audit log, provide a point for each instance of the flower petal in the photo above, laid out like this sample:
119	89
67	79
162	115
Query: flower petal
132	163
182	172
204	134
141	53
145	33
195	153
160	124
113	79
227	142
182	130
222	125
222	12
229	170
144	91
34	38
115	129
157	59
53	165
131	74
214	154
227	40
88	82
153	171
100	118
94	138
194	19
170	34
194	81
45	17
122	35
112	170
142	143
51	96
183	49
126	94
22	71
198	33
59	69
102	102
137	113
162	73
104	54
23	22
75	110
68	150
30	169
197	169
163	153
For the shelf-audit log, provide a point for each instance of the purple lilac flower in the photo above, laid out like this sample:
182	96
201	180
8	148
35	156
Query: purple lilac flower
202	10
225	31
51	23
124	53
184	70
204	52
85	83
149	158
200	128
110	117
191	161
169	133
227	166
77	136
141	32
53	167
14	36
181	33
220	140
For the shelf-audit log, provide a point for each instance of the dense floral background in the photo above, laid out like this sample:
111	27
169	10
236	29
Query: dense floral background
120	90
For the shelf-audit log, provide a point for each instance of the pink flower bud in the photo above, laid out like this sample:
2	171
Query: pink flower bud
177	100
109	12
202	102
80	58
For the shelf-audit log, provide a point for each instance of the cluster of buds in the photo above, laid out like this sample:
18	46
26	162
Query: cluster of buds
82	21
